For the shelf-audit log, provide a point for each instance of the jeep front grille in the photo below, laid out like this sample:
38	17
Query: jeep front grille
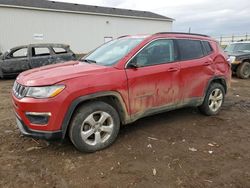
19	90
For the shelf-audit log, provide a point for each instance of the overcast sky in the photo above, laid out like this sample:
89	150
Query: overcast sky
213	17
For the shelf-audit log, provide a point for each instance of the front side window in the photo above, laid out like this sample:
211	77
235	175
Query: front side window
112	52
20	53
189	49
157	52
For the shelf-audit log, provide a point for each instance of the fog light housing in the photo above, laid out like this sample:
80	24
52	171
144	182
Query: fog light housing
38	118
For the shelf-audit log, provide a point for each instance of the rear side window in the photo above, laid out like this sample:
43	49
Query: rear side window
58	50
207	47
189	49
40	51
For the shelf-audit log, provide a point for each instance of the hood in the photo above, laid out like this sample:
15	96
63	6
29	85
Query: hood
52	74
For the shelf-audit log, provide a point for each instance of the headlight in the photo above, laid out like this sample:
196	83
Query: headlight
44	92
232	59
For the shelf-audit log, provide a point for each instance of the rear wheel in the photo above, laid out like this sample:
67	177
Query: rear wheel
243	70
213	100
94	126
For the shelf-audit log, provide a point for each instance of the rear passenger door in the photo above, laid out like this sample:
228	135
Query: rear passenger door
16	61
196	68
40	56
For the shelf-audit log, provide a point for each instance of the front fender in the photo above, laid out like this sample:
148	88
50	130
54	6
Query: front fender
84	98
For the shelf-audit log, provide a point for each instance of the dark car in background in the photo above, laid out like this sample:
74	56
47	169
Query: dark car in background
239	54
22	58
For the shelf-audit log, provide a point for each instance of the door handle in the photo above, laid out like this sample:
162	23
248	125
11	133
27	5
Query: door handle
173	69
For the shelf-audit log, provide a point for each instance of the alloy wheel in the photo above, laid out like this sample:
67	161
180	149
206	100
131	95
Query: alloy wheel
97	128
215	100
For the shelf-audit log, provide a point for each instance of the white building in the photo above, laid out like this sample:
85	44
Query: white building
83	27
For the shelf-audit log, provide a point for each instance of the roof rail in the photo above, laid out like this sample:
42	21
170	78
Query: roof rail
183	33
123	36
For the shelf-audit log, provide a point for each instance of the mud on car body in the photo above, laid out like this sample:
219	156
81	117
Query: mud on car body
121	81
22	58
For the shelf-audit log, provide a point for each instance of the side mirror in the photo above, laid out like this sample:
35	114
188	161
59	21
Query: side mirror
133	63
5	56
139	61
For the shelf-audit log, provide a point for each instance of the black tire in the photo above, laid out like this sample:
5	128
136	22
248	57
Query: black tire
81	124
207	107
1	74
243	70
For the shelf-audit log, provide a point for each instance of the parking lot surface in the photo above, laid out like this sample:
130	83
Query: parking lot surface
181	148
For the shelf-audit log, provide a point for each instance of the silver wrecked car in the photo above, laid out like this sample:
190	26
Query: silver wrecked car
21	58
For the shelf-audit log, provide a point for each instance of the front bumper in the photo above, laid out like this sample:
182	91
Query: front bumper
56	107
47	135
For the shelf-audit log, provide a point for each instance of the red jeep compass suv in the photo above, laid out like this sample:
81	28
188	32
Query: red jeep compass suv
121	81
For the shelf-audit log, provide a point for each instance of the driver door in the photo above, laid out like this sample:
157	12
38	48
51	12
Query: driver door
16	61
153	76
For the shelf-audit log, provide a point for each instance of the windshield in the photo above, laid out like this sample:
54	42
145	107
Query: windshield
113	51
238	47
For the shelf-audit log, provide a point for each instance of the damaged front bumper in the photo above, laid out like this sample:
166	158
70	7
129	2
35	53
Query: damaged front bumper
47	135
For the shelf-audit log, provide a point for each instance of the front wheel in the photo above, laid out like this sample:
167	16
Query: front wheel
213	100
94	126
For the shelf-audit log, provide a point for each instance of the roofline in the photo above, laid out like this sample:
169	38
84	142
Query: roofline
48	44
88	13
42	45
183	33
244	41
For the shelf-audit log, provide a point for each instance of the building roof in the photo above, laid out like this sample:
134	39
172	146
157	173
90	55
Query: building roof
84	9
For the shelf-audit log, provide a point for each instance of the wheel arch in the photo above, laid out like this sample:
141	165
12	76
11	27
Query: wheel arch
111	97
246	60
217	79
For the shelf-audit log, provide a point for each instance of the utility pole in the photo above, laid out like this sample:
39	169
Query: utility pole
189	30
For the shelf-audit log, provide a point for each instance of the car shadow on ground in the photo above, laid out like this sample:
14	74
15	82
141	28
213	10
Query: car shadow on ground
144	125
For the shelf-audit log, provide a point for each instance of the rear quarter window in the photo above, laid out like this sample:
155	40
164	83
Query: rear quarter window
59	50
189	49
207	47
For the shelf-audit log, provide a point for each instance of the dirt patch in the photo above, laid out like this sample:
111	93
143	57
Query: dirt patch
181	148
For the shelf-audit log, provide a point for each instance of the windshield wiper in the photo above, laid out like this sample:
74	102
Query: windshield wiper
88	60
